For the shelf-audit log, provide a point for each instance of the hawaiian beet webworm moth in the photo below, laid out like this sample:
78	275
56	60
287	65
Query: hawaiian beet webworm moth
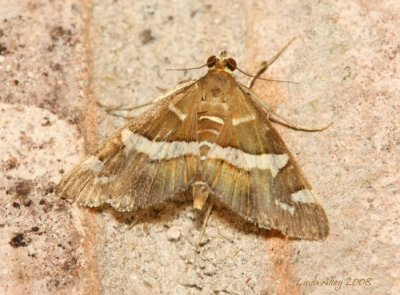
212	138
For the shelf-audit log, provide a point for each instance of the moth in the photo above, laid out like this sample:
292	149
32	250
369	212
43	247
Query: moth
212	138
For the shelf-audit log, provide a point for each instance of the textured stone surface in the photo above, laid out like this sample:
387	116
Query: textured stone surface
46	247
346	58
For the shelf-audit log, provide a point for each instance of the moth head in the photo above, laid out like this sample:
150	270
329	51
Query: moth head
221	62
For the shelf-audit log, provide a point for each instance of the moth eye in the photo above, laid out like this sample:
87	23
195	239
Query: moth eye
211	61
231	63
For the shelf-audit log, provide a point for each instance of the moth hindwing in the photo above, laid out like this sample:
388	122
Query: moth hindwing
210	137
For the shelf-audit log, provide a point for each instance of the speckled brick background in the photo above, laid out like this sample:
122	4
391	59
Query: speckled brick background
59	58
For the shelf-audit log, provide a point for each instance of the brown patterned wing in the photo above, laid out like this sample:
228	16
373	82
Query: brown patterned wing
150	160
251	171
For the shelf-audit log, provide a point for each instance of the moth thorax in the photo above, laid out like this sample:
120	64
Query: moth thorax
200	194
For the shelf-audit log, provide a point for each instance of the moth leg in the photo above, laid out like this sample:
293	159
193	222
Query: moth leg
285	122
122	107
273	116
203	228
130	107
127	108
266	64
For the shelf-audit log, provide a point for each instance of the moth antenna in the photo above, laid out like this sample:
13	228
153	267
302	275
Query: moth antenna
187	69
271	80
267	64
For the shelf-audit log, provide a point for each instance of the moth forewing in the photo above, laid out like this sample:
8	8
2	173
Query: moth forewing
147	161
255	175
210	138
